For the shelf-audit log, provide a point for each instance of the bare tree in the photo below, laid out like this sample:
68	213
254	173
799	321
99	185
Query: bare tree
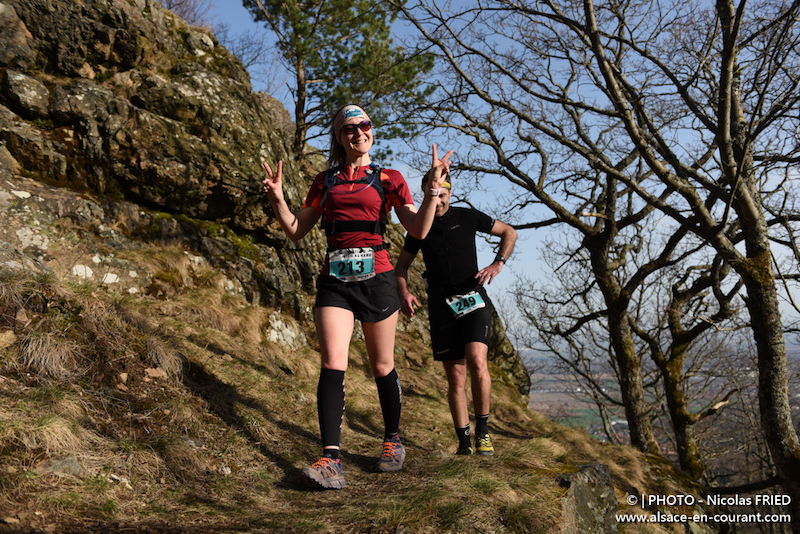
594	290
690	107
682	328
258	54
195	12
674	313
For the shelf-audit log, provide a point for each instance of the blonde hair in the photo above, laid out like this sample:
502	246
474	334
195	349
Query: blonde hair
336	154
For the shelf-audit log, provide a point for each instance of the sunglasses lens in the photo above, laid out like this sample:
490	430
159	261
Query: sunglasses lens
350	129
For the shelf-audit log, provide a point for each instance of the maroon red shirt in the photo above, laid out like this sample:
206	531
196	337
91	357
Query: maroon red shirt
359	202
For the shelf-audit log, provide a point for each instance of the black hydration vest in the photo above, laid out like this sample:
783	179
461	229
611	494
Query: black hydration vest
373	179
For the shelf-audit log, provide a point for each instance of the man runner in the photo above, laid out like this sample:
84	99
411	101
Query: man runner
459	309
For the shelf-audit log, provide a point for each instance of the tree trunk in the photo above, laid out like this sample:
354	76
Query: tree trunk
773	376
301	128
689	457
756	270
628	365
630	381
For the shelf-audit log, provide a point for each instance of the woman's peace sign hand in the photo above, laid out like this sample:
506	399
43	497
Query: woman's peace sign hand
273	183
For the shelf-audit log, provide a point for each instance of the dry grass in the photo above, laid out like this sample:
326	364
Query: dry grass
20	289
225	313
49	355
162	354
50	434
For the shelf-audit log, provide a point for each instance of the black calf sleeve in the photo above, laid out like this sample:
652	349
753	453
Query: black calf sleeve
330	407
391	397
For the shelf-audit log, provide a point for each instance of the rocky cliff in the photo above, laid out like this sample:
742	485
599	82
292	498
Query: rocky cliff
157	129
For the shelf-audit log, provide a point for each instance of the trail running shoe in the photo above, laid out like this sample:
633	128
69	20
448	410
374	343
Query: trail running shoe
483	445
392	456
464	451
325	473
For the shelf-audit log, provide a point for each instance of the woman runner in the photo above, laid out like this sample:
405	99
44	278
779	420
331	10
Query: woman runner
357	279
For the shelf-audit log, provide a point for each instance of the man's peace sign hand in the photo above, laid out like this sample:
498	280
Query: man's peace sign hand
439	169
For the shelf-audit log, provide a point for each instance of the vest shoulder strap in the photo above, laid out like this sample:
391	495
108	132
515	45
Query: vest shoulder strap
374	179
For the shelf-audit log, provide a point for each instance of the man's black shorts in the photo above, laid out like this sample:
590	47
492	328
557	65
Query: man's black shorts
449	336
370	300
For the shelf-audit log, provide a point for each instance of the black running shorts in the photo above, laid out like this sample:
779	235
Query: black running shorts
449	336
370	300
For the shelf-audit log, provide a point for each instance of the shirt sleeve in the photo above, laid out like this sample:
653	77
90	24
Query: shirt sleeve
398	192
314	195
412	244
483	223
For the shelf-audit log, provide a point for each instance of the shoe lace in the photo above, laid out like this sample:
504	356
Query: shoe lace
389	448
323	463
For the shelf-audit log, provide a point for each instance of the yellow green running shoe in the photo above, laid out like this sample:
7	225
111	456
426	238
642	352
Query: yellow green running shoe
483	445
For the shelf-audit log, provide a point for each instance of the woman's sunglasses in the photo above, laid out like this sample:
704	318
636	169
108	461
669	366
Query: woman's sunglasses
350	129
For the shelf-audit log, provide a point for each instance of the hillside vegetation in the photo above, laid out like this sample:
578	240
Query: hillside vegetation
194	413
